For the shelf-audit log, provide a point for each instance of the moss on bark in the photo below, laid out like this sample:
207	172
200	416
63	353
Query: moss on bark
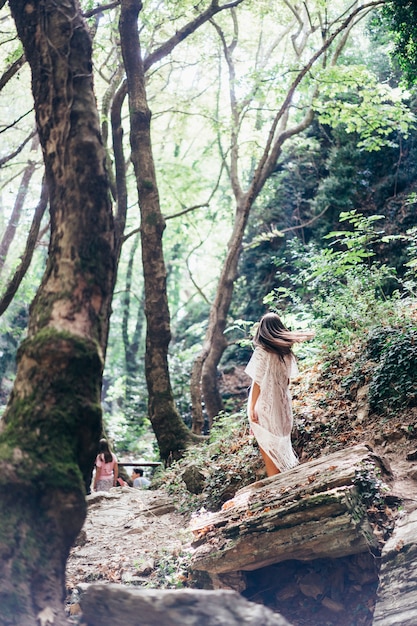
52	419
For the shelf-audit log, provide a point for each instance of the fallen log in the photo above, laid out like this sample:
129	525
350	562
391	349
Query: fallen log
317	510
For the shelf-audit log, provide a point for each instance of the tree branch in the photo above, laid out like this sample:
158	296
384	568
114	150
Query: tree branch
3	130
267	163
26	258
187	30
101	9
19	149
11	71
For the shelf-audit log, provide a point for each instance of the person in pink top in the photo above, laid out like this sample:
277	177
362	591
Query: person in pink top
107	469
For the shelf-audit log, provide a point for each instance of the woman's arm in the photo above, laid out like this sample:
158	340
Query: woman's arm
115	473
253	397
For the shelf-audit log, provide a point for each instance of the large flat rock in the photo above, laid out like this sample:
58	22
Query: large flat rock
397	591
316	510
114	605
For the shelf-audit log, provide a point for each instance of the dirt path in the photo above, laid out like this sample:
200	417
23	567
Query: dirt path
138	537
126	534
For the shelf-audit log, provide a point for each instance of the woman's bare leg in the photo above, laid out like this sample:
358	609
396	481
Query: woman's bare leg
271	468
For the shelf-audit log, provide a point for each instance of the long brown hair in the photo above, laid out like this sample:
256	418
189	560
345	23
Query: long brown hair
104	451
272	335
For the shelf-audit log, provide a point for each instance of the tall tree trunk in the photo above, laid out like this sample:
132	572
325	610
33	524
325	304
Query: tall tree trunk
171	433
52	423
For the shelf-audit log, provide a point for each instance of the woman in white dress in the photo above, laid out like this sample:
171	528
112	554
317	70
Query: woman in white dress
269	406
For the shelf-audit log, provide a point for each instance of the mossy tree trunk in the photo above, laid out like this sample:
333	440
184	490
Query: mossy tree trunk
171	433
52	423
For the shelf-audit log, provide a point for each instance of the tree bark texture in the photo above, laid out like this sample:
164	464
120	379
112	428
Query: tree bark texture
171	433
50	430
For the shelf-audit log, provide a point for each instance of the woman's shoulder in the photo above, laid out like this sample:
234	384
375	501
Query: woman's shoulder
261	352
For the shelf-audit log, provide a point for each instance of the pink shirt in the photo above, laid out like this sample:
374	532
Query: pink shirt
105	470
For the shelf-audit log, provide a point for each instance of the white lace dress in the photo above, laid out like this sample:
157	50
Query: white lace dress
273	407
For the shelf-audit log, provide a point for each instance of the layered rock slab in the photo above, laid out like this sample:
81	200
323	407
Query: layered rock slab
114	605
316	510
397	591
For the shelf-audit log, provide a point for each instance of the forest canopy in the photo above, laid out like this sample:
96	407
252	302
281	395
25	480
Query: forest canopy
345	143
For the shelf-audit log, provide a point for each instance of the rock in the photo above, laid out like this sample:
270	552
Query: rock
396	597
160	509
394	435
312	586
330	604
97	496
194	478
363	404
412	456
81	539
144	569
288	592
114	605
313	511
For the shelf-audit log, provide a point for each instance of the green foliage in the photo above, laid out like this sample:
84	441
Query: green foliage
393	384
340	290
370	484
353	97
230	461
401	18
171	571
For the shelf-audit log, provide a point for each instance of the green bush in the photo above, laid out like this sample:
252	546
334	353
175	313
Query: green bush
393	385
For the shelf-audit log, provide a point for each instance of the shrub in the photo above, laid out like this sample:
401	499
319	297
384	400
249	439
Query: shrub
393	385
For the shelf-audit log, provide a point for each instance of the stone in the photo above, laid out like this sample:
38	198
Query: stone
330	604
412	456
312	586
363	404
161	509
396	596
81	540
313	511
287	592
194	478
146	568
115	605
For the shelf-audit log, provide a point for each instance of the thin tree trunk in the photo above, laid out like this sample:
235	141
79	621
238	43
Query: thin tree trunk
52	423
19	203
171	433
131	340
26	258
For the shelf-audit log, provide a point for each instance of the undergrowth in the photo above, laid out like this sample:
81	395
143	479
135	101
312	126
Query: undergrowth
229	460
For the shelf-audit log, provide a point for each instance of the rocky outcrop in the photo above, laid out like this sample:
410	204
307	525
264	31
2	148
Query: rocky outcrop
397	597
317	510
113	605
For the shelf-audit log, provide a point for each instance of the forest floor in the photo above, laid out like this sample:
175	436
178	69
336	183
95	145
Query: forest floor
142	537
